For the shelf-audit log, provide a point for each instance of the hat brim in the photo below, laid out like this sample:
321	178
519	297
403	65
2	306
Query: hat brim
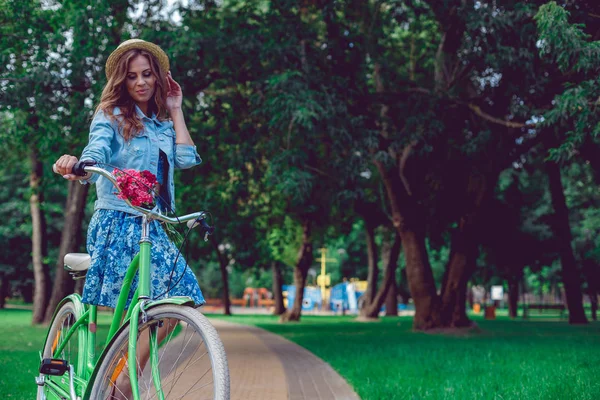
113	59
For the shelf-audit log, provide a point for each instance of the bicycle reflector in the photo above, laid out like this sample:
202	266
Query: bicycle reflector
54	366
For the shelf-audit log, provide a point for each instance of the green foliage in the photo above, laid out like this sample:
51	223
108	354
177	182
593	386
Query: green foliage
50	76
284	242
285	102
577	55
564	42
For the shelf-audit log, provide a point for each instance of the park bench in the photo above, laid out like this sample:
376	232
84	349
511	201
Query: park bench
214	302
544	307
238	302
266	302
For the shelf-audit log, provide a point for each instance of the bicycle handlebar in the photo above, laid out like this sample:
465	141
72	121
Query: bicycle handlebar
81	168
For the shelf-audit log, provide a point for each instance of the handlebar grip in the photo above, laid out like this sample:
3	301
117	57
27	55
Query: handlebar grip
207	228
79	167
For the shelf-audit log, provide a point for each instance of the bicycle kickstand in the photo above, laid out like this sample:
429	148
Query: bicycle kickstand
72	384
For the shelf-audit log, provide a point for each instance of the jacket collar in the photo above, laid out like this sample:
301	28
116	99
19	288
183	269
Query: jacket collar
141	114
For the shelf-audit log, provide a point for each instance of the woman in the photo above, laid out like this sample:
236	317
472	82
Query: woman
130	130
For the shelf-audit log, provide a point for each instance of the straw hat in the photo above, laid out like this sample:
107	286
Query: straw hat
113	59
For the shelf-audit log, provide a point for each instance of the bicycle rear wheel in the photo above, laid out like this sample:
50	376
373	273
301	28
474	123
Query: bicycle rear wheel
61	324
191	359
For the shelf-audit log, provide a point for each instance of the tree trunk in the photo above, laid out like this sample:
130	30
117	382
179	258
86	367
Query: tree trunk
463	252
371	310
391	299
461	265
470	300
277	289
562	231
591	272
594	304
402	287
41	274
513	296
420	281
224	275
305	259
4	290
373	269
373	217
405	217
69	242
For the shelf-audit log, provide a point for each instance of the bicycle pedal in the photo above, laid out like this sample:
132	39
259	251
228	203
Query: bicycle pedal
54	366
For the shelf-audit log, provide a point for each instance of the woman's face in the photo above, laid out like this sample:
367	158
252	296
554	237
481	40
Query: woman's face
140	81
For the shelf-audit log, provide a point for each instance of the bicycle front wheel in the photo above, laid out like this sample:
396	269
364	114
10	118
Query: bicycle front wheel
190	361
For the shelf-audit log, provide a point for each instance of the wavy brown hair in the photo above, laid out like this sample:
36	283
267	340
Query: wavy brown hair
115	94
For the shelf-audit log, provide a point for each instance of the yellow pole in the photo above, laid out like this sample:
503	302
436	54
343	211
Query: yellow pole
324	282
323	261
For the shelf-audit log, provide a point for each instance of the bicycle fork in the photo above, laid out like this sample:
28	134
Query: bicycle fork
132	352
144	296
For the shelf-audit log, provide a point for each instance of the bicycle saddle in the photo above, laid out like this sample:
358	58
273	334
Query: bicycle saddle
77	261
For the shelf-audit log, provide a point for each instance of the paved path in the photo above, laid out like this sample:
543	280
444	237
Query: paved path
264	366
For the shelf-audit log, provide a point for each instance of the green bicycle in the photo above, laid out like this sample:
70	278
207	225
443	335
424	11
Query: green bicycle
163	349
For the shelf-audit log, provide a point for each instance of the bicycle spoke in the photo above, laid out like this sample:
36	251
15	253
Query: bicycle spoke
172	377
189	365
170	336
176	364
114	384
192	391
184	365
123	370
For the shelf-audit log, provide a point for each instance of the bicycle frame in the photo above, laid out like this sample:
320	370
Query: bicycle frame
86	324
87	364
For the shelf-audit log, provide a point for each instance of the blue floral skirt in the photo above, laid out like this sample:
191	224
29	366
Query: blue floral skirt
112	242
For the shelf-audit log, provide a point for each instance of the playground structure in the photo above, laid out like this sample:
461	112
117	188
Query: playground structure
343	297
311	300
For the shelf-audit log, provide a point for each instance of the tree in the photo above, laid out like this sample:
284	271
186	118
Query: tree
82	86
576	53
27	66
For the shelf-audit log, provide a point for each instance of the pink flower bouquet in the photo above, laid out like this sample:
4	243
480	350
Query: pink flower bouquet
136	186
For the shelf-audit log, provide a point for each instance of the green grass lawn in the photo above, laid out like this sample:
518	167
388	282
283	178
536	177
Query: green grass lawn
385	360
505	360
19	360
20	344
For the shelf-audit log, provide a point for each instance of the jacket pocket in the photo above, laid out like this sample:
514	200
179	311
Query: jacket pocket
135	149
166	138
167	134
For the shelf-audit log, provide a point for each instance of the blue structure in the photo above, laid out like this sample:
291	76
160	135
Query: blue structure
312	297
344	297
338	298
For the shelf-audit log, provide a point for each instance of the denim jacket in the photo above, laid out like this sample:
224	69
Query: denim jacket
107	145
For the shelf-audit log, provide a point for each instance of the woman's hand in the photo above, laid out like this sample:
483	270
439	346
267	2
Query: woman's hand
64	166
174	94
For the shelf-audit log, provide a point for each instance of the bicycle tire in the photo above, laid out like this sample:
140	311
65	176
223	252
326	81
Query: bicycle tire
113	357
66	316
